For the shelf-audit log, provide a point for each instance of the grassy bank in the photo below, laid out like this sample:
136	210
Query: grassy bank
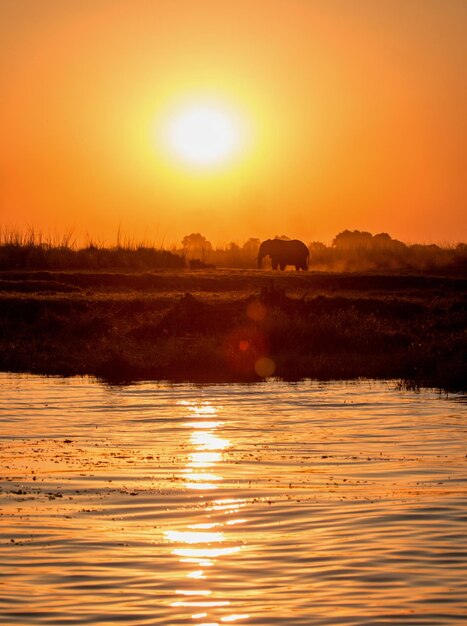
351	251
235	326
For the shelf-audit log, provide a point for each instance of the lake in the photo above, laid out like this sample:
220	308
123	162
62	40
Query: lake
271	503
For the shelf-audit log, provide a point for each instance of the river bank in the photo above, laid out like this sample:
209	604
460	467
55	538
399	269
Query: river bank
234	325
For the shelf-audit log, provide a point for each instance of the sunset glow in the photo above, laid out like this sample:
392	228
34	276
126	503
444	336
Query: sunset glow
235	120
233	276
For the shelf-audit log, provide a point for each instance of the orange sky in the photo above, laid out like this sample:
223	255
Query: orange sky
355	111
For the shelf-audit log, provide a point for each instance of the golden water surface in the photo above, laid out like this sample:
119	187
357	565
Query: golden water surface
338	503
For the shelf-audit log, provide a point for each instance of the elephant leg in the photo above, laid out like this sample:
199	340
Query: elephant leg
297	266
283	266
274	264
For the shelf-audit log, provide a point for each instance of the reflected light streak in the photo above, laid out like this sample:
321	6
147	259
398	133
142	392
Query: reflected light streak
206	552
199	573
195	543
209	604
204	410
197	561
203	425
191	537
199	409
206	526
234	618
204	459
201	476
206	440
193	592
227	505
200	486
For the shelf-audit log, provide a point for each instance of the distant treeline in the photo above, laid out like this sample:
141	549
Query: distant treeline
361	251
349	251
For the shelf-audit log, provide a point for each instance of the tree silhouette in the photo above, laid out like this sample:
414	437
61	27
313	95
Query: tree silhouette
251	246
361	240
348	240
196	244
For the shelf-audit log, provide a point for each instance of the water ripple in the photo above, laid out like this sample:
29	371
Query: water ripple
306	503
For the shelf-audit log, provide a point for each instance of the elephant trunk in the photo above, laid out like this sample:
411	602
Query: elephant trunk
260	260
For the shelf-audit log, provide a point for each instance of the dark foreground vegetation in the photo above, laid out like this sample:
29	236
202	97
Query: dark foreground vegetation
235	325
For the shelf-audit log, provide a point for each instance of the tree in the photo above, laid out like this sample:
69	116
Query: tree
383	240
348	240
233	250
196	244
251	246
316	247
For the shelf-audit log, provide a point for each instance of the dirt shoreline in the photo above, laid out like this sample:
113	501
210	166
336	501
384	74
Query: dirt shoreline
235	325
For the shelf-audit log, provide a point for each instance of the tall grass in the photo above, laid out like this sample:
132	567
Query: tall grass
30	250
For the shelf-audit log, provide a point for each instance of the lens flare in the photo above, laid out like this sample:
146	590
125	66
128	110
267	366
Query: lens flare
265	367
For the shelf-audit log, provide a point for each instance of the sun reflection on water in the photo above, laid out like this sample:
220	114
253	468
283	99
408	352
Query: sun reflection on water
203	544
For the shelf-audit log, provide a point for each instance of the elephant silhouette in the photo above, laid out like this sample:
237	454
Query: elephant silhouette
284	252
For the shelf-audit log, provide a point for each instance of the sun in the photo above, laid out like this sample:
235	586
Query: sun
203	135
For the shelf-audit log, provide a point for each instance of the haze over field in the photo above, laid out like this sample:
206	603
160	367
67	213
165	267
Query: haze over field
234	119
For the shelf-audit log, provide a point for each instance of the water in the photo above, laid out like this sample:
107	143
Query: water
339	503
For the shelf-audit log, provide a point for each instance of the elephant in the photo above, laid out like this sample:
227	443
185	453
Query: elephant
284	252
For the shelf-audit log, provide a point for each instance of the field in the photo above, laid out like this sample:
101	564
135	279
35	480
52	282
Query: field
235	325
